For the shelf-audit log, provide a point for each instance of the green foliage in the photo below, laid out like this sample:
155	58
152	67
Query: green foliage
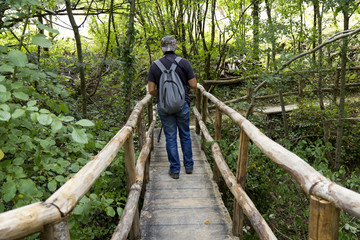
43	143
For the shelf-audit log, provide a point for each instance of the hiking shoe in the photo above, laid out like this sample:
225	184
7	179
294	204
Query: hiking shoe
174	175
188	170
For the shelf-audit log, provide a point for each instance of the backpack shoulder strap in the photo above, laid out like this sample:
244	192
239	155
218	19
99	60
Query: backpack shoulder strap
160	65
177	59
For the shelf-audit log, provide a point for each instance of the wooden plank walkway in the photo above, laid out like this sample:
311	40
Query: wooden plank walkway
186	208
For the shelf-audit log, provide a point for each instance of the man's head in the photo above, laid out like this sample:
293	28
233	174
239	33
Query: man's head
168	44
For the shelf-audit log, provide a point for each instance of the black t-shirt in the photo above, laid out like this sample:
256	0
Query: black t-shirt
155	72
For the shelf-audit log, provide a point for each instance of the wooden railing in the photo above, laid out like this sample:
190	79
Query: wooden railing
50	217
326	197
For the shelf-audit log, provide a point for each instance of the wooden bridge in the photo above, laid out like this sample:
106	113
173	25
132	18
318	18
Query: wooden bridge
190	207
186	207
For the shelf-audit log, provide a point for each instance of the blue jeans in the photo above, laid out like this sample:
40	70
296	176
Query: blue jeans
171	123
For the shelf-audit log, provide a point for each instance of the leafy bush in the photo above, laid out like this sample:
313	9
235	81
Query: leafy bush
42	145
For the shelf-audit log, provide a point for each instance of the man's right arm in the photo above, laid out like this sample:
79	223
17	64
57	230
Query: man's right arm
192	83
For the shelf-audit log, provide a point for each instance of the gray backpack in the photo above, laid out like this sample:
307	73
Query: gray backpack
171	90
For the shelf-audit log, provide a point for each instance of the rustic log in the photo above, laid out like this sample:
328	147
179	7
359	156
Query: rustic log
130	210
141	129
56	231
129	156
26	220
198	105
235	80
32	218
216	172
131	177
324	220
304	174
73	190
137	111
204	103
241	170
257	221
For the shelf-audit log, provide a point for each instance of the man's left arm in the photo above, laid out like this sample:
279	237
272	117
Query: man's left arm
152	89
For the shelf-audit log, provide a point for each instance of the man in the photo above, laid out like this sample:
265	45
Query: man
179	120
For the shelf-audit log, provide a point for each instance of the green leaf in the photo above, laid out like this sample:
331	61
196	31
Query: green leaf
2	155
66	118
110	211
16	85
5	107
27	187
119	211
49	29
31	103
18	172
2	89
60	179
2	78
44	119
41	41
85	123
34	116
56	125
18	113
18	58
9	190
75	167
64	108
79	136
78	210
6	68
52	185
43	110
4	116
21	96
18	161
5	96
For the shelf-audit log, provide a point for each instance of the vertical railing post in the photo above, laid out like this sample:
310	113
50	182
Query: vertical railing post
323	220
150	119
56	231
198	105
238	216
203	117
141	129
216	172
131	177
301	88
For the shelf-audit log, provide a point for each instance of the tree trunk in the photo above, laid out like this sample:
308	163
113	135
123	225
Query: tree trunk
182	36
320	82
256	38
209	50
80	56
272	34
340	126
129	62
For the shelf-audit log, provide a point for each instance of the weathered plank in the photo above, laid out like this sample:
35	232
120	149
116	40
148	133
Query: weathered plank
184	208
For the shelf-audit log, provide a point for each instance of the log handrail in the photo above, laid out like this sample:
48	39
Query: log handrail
33	218
311	181
248	206
124	226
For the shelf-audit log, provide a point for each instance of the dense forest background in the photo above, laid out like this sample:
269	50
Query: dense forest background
71	71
